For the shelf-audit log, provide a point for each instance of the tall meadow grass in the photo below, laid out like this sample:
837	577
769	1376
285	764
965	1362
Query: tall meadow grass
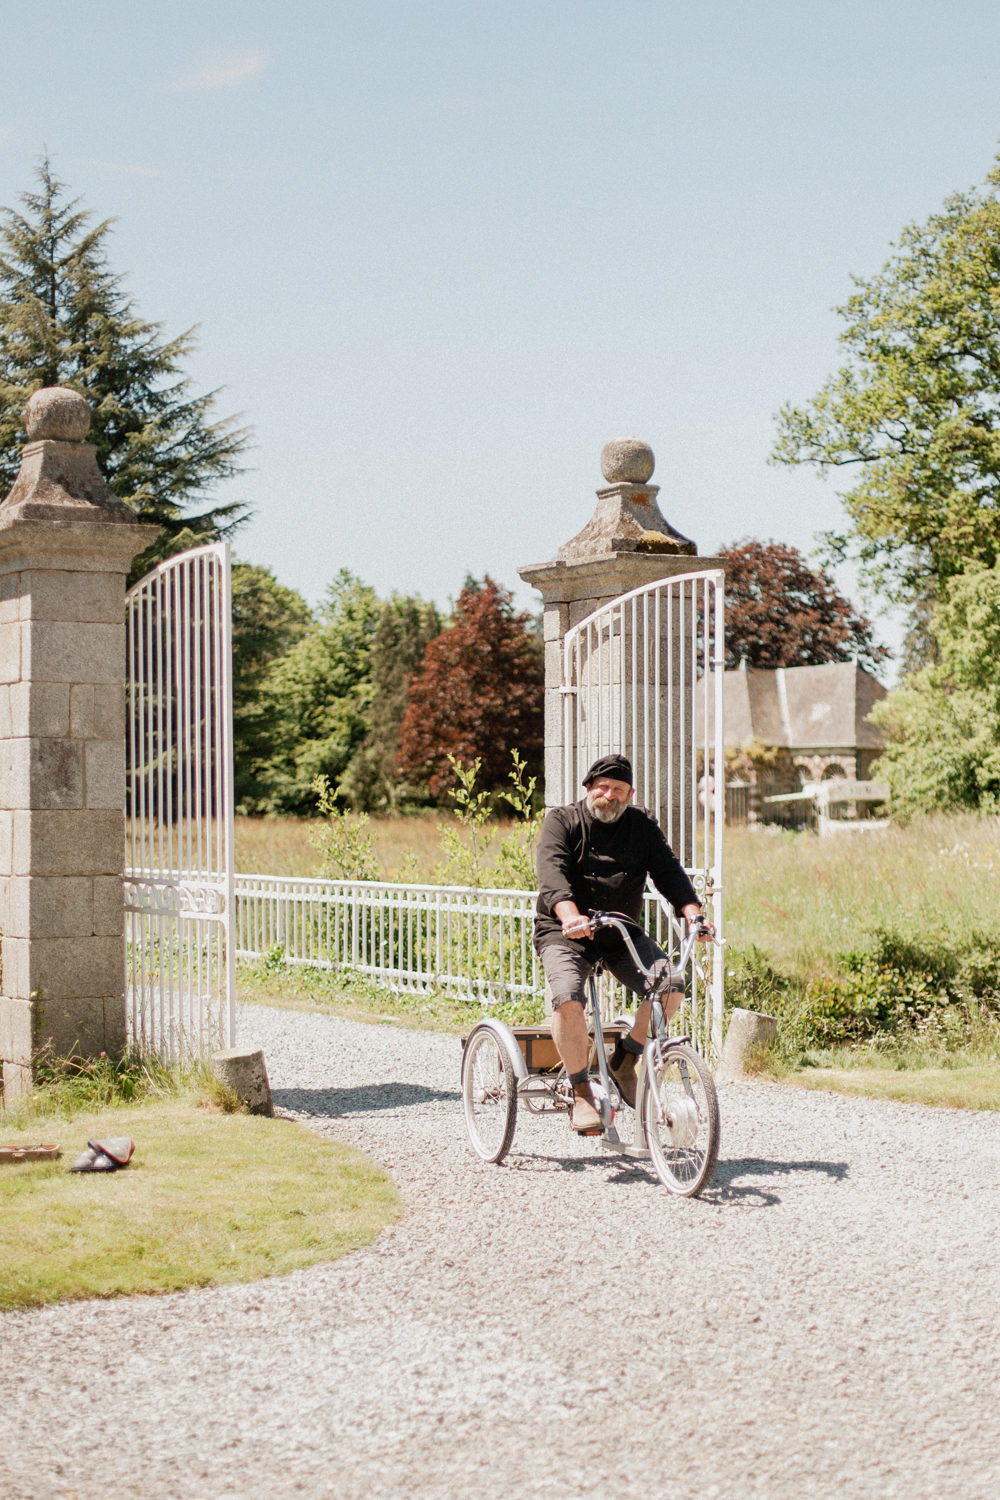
408	847
805	900
875	950
800	899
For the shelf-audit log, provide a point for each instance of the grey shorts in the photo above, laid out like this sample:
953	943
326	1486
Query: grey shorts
567	969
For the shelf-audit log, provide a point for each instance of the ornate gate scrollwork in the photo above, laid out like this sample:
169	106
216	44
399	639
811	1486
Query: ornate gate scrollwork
174	898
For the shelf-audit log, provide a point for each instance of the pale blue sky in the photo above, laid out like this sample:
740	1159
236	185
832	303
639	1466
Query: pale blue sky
440	252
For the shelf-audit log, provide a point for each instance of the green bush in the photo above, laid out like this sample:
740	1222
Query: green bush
898	988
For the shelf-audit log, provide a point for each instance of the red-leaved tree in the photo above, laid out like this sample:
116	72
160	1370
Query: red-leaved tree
478	693
780	613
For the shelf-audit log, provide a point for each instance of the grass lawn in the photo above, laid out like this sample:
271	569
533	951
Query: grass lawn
949	1088
207	1198
301	987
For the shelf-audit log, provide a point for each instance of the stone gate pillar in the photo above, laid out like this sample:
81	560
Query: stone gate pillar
626	543
66	544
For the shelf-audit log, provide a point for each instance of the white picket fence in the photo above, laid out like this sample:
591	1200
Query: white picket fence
469	943
408	937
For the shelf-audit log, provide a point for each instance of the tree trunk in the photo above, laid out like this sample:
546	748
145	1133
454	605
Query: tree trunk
246	1074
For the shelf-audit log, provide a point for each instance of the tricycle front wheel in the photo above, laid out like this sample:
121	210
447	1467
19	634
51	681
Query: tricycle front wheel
681	1117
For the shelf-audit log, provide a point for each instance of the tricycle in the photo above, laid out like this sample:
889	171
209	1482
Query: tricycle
676	1122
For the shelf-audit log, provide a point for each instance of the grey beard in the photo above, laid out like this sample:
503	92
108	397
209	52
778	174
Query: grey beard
605	814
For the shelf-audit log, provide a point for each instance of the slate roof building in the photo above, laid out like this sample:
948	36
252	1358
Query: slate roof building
817	716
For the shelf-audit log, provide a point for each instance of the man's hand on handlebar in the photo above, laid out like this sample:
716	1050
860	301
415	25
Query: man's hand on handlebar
705	932
577	925
574	923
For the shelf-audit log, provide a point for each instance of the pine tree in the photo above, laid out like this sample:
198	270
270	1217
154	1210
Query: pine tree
477	696
65	319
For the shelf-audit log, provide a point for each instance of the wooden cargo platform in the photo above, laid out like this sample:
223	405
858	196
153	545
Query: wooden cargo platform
539	1049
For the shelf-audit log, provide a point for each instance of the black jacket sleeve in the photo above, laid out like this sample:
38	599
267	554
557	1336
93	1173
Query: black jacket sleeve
556	861
666	871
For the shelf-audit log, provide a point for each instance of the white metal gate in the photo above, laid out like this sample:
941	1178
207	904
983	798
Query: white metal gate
643	676
179	900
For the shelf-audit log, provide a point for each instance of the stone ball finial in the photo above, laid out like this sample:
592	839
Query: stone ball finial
627	461
55	412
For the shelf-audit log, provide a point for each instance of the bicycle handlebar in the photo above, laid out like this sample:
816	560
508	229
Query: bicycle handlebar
696	925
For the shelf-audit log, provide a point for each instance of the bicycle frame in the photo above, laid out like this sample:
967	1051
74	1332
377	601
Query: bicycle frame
676	1106
533	1088
656	1038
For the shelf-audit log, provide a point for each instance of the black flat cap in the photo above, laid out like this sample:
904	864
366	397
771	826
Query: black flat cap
615	766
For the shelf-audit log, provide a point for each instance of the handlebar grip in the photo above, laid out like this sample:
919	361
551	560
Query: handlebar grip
610	918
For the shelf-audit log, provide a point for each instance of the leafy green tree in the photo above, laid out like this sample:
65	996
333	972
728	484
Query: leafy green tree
942	725
268	620
915	411
405	627
65	319
320	694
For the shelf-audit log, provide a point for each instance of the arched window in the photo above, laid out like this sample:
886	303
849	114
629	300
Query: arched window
834	772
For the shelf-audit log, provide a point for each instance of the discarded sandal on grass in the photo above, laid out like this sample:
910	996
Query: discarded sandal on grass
105	1156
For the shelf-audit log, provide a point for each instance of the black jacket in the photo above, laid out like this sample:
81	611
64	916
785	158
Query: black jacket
602	867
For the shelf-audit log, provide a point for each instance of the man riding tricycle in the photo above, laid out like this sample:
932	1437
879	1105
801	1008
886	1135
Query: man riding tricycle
594	859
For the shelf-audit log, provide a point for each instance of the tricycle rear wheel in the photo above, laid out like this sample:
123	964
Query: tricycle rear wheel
489	1094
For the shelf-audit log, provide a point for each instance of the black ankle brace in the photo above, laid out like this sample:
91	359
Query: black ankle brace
580	1077
625	1047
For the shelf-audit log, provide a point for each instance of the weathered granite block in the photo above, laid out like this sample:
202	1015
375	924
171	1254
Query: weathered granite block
39	709
86	842
109	906
51	906
105	773
42	773
64	967
97	712
66	544
59	595
67	651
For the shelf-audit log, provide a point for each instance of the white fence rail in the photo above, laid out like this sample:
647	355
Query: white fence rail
408	937
472	944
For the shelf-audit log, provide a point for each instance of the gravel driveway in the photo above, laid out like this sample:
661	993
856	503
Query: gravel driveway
821	1323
